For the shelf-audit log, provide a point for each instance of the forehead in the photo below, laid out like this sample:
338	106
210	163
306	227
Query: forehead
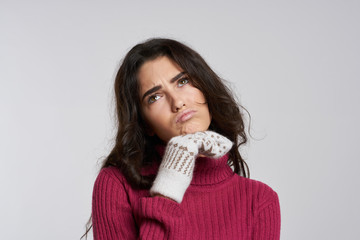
157	72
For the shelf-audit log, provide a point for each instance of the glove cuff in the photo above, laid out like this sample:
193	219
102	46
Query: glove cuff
171	184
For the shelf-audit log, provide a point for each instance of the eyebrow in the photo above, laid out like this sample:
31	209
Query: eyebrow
157	87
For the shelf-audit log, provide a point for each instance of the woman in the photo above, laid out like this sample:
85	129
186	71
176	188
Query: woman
168	175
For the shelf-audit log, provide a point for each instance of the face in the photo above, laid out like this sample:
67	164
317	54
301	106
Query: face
170	104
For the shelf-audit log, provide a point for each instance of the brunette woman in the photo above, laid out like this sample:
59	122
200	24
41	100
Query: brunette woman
175	171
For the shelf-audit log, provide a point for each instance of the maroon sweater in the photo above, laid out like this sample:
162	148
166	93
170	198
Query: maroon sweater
217	205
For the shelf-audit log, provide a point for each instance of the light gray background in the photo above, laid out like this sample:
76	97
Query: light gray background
294	65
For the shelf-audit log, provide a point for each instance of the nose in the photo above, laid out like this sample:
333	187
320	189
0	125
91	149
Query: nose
177	102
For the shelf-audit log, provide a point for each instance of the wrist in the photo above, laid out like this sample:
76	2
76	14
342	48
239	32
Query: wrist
170	184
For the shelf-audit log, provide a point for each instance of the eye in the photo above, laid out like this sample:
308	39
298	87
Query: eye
182	82
153	98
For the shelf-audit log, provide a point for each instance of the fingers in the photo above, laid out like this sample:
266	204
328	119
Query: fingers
212	144
208	143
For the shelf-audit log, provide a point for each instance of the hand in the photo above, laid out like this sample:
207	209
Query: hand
212	144
176	169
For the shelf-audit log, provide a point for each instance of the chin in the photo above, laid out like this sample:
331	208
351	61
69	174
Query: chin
192	128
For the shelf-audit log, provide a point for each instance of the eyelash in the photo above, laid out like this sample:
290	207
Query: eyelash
182	79
186	79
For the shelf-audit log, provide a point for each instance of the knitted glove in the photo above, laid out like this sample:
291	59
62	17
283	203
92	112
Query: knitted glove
212	144
176	169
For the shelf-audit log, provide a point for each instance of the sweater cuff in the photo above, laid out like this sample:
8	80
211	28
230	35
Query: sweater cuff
158	207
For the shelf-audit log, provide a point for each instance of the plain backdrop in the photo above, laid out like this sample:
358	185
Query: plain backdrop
293	64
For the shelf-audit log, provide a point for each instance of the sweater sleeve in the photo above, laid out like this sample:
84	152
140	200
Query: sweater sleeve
113	216
267	219
160	219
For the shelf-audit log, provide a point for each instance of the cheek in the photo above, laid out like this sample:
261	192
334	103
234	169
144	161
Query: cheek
157	119
199	100
152	119
196	95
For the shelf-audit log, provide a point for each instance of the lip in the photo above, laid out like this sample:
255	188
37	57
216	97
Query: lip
184	115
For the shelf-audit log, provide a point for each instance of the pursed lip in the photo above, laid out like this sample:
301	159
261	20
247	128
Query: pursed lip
184	115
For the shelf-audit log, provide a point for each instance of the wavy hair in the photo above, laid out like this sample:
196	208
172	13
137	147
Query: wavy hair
134	148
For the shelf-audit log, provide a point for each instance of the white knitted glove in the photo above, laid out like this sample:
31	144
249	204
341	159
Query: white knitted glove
176	169
212	144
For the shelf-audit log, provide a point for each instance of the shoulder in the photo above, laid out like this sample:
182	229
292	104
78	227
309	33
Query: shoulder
110	186
261	193
110	172
109	177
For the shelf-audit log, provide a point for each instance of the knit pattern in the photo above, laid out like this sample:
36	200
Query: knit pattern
211	144
179	158
176	169
218	204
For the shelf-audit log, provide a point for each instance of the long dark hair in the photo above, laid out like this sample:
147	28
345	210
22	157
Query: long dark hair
133	147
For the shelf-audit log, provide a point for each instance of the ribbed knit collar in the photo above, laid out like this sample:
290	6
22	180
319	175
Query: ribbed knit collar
210	171
207	171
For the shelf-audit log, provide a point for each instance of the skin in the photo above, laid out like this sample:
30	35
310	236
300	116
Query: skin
168	93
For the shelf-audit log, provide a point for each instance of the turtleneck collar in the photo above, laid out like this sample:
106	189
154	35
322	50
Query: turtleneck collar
210	171
207	171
